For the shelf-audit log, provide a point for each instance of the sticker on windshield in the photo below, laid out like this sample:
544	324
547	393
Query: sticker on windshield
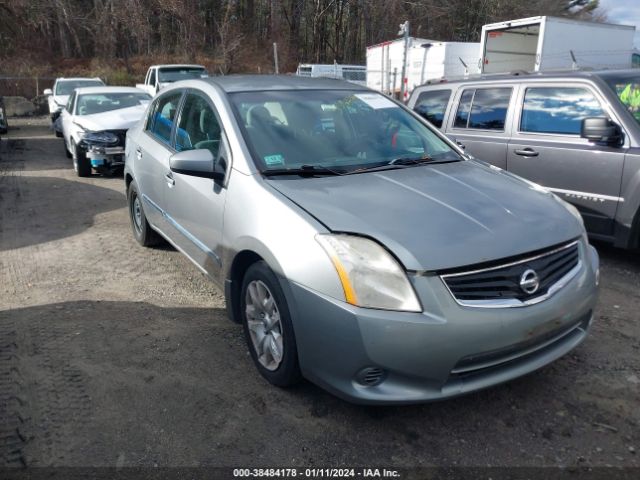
375	100
272	160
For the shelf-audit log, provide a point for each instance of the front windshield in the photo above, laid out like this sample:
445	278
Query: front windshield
169	75
91	103
627	87
67	87
336	129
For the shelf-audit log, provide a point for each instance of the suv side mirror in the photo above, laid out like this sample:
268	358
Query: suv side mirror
601	130
48	92
197	163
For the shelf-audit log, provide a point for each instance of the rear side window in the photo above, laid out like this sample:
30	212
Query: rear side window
163	116
483	109
558	110
152	77
432	104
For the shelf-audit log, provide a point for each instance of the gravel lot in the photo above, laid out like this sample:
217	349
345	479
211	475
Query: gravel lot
116	355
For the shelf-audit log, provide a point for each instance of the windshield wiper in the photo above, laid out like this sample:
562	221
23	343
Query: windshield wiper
303	171
400	162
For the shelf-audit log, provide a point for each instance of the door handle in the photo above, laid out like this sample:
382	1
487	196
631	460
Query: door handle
169	178
138	154
526	152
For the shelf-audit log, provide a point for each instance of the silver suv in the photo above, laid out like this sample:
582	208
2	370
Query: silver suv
576	133
358	246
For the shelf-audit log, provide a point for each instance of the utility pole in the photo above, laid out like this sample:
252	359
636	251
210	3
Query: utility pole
404	30
275	57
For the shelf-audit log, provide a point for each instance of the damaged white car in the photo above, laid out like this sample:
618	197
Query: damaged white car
94	126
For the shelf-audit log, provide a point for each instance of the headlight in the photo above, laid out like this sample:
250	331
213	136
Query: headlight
370	276
103	138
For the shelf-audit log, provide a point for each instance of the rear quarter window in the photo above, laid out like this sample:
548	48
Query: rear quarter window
432	105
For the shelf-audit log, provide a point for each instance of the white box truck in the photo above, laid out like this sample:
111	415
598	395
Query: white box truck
552	43
427	60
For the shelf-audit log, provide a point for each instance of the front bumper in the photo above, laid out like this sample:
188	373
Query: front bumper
105	157
446	351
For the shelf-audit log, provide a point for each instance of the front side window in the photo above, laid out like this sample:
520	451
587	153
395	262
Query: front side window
164	116
483	109
199	127
91	103
66	87
335	129
432	105
558	110
152	77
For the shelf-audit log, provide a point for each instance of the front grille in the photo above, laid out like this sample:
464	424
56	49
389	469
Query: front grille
512	283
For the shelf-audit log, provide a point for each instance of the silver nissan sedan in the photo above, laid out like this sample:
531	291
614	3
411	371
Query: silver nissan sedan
358	246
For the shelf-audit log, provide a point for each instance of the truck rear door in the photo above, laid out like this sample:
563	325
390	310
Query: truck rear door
546	148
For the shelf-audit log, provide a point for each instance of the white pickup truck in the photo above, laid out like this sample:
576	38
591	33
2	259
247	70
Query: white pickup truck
159	76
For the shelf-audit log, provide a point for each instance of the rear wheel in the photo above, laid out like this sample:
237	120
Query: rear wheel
80	161
267	326
142	231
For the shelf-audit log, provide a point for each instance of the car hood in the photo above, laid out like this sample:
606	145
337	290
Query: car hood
121	119
438	216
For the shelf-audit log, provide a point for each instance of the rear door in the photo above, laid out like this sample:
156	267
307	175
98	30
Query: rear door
480	120
152	156
546	148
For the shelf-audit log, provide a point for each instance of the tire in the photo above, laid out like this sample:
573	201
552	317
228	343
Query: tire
58	133
66	150
260	286
142	231
80	161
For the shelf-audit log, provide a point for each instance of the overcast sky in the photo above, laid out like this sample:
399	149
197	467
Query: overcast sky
623	11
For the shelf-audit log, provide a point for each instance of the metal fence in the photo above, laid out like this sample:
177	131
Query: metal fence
28	87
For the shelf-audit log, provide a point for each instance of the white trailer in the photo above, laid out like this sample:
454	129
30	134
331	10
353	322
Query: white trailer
427	60
351	73
551	43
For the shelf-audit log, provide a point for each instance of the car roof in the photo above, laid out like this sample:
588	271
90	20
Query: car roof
75	79
256	83
522	76
178	65
95	90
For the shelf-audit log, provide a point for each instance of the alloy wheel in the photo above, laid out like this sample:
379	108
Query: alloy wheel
265	327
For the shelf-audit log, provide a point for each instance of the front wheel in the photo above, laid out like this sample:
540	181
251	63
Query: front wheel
267	326
80	161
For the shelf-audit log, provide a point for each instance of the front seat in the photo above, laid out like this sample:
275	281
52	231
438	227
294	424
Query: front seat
209	131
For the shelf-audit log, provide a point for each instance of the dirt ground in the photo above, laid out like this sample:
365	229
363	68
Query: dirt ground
116	355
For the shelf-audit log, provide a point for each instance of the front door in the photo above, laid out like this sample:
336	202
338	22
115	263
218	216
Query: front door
547	149
195	205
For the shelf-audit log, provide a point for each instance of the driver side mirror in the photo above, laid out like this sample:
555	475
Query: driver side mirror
48	92
197	163
601	130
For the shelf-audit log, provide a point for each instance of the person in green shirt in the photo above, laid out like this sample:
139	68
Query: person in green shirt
630	96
